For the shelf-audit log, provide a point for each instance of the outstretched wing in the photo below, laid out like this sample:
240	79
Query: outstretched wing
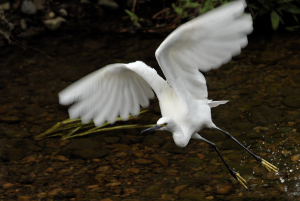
203	43
117	89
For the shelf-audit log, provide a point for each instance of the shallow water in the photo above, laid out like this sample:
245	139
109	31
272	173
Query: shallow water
262	85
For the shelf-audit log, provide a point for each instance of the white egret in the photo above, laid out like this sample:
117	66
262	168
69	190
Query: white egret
203	43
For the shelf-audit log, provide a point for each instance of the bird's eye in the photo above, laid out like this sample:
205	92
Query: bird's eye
165	124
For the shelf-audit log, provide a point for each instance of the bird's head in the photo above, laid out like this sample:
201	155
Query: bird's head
164	123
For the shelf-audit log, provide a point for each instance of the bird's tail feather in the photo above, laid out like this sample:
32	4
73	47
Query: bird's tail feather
216	103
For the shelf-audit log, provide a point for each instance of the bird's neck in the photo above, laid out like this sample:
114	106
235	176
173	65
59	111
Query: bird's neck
179	137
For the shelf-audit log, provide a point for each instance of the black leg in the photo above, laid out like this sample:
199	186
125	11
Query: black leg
233	173
259	159
266	164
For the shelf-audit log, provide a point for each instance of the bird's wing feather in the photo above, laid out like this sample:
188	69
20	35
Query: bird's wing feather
112	91
203	43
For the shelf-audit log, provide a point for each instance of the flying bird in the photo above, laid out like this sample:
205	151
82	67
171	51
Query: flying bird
201	44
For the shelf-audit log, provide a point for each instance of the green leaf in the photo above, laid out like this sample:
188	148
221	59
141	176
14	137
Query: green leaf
292	9
178	10
292	28
275	19
208	5
134	18
189	4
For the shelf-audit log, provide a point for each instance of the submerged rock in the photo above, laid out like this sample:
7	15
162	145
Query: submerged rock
264	115
54	24
160	159
154	191
28	7
108	3
192	194
292	101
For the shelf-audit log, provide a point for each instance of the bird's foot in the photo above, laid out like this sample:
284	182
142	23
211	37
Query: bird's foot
241	179
269	166
238	177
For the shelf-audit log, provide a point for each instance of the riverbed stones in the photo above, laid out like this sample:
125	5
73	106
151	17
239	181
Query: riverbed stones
151	140
142	161
153	191
91	153
264	115
192	194
24	84
179	188
292	101
160	159
28	7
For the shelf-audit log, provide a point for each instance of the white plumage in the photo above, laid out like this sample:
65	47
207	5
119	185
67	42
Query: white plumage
203	43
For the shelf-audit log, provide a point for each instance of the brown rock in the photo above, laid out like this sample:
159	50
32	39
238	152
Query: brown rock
295	158
42	195
160	159
142	161
120	154
138	154
130	191
223	189
179	188
134	170
7	185
273	175
50	170
192	194
114	184
24	198
102	169
61	158
172	172
30	159
54	192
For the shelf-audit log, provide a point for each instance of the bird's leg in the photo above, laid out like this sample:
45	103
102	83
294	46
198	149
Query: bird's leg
236	175
265	163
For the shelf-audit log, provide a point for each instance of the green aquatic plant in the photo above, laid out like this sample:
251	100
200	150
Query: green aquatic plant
180	11
184	10
278	10
134	18
71	128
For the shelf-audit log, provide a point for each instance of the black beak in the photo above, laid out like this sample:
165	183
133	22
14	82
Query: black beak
154	128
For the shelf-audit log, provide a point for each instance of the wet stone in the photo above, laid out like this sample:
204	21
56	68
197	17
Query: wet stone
194	161
172	172
151	140
179	188
134	170
295	158
154	191
102	169
13	154
192	194
160	159
54	192
142	161
172	148
223	189
273	175
264	115
24	198
93	195
91	153
111	140
9	119
83	144
121	154
158	170
61	158
292	101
